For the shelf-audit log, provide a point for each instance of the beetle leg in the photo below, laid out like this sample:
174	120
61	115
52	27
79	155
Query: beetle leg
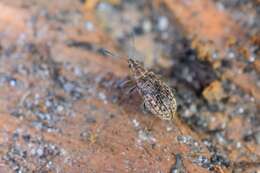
131	89
150	126
144	108
126	83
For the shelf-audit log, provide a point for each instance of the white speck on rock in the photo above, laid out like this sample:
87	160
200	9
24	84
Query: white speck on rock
145	136
136	123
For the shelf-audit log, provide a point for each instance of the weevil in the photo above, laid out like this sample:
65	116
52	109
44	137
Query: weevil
157	95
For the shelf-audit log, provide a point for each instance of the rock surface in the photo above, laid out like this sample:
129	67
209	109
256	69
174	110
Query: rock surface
63	108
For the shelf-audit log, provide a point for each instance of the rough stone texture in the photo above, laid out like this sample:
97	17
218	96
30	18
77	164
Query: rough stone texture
63	108
214	92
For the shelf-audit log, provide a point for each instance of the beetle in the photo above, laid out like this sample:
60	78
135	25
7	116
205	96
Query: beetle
157	95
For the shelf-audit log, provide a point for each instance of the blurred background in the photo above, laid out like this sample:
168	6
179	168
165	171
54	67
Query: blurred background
63	108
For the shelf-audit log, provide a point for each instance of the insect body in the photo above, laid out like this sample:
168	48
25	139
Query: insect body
158	97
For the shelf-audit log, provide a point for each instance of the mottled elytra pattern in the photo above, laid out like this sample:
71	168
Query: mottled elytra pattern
158	97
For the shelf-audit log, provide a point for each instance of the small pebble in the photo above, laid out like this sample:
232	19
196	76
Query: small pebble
89	26
39	152
13	82
147	26
163	23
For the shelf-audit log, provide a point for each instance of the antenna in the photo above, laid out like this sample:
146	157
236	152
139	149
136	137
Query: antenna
107	52
133	52
132	45
131	49
133	39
